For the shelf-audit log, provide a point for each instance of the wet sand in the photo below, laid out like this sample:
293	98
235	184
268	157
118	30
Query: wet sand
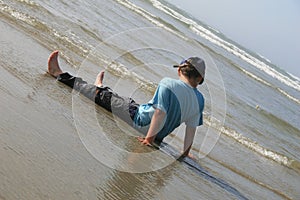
41	154
43	157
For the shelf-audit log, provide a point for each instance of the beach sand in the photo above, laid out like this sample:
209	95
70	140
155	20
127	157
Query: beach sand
41	154
43	157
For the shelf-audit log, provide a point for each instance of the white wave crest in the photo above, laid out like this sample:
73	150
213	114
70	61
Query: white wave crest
148	16
256	77
295	77
254	146
289	96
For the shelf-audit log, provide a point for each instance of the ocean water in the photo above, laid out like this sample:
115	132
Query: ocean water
249	145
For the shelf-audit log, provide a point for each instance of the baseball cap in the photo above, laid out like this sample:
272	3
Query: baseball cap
197	63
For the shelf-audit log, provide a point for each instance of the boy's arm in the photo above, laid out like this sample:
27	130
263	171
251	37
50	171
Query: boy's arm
155	126
188	141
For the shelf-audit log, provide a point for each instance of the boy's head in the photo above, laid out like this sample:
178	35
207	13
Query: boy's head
192	67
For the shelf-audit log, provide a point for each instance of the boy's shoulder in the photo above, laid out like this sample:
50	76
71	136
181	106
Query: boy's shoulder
169	81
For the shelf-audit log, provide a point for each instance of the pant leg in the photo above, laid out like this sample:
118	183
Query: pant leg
123	107
78	84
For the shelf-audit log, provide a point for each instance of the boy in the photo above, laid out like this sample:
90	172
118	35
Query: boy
174	102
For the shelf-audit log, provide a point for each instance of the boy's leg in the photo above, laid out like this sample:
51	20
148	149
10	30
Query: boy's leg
88	90
122	106
78	84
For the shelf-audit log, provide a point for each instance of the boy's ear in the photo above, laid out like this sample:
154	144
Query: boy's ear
178	71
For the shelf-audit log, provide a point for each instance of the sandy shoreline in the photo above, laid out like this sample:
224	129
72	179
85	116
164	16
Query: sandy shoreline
42	156
39	148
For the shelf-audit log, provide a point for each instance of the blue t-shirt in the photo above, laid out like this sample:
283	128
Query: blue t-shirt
181	103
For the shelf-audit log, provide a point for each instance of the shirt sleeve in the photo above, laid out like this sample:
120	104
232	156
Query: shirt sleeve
161	98
201	119
197	119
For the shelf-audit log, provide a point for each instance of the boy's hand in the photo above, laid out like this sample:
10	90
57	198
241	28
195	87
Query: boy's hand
145	141
189	155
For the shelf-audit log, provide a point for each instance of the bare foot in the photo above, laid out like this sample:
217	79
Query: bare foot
53	66
99	79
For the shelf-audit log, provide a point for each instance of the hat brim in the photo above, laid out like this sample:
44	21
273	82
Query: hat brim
176	66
